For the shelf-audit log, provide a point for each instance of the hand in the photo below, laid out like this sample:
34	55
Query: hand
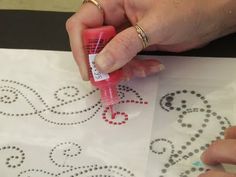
171	25
222	151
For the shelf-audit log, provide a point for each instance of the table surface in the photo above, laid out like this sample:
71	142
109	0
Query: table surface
44	30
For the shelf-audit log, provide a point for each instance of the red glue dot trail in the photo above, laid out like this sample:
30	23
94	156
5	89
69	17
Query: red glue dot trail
119	118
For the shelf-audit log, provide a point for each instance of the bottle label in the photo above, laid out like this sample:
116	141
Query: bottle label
97	75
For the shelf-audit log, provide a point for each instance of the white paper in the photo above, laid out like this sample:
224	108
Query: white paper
52	124
195	104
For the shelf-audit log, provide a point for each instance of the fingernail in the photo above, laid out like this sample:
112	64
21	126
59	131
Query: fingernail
104	62
157	68
126	79
140	73
162	67
203	156
83	72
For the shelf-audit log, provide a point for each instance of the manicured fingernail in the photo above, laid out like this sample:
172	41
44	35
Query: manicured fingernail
83	72
126	79
162	67
104	62
139	73
157	68
203	156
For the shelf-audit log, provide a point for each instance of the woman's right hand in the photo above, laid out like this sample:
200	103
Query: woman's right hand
171	25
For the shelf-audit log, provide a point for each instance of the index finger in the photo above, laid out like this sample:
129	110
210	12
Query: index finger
230	133
221	151
89	16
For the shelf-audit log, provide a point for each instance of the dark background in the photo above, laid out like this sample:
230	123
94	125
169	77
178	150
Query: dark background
46	30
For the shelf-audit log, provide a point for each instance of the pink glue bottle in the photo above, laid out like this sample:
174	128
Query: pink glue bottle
95	40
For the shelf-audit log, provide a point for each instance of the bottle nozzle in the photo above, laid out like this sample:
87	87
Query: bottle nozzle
109	95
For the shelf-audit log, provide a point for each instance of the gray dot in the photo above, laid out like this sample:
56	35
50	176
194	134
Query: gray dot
200	131
180	152
222	133
189	126
202	148
222	122
190	154
167	165
179	121
169	98
201	169
163	170
168	104
218	117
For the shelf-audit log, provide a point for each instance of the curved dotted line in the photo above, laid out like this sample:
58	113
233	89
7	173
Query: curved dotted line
65	153
112	119
193	170
52	109
124	170
49	121
84	170
7	99
20	158
28	88
64	102
169	98
65	93
164	149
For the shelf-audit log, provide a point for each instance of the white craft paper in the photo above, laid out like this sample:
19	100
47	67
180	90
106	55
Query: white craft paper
52	124
196	102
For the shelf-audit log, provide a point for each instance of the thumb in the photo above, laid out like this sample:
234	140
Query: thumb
119	51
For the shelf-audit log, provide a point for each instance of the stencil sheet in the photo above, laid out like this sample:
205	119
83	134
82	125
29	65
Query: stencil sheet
52	124
196	102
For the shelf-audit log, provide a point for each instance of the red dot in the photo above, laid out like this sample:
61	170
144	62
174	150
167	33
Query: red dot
127	101
145	102
132	101
137	102
110	122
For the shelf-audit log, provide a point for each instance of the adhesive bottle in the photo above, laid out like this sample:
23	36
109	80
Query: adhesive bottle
95	40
